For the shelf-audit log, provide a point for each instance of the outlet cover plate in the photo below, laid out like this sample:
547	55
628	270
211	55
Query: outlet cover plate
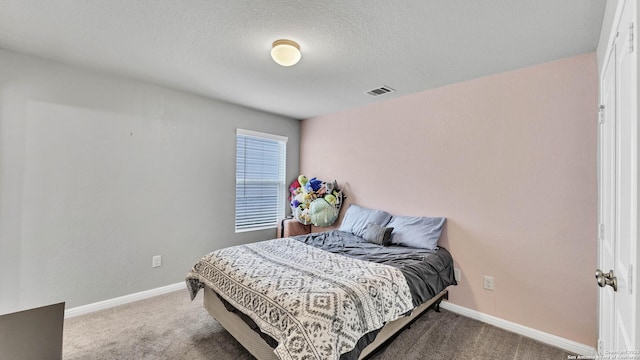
456	274
488	282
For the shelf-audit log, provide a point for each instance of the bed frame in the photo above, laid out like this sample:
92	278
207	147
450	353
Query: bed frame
252	341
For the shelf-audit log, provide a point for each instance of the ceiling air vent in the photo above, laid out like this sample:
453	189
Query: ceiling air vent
384	89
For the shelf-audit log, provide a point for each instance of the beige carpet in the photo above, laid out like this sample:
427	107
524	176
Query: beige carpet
173	327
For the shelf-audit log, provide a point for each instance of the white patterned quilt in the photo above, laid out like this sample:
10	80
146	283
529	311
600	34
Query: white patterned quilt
314	303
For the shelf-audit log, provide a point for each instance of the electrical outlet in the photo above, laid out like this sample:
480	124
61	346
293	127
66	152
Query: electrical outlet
456	274
156	261
488	282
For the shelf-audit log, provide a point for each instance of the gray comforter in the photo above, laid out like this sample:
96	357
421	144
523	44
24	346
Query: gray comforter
427	271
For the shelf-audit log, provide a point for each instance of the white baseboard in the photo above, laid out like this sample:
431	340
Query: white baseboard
106	304
557	341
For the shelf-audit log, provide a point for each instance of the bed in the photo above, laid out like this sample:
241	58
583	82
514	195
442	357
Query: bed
338	294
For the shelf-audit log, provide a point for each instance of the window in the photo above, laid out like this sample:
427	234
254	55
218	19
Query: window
260	180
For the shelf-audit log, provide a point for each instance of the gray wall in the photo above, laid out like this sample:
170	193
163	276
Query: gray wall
99	173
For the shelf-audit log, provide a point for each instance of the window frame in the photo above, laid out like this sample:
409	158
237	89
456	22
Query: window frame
280	182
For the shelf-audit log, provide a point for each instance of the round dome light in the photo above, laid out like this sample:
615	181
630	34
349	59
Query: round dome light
285	52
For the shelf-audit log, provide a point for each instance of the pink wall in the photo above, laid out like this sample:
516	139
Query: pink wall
510	160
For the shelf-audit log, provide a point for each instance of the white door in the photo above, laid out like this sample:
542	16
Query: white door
618	192
606	197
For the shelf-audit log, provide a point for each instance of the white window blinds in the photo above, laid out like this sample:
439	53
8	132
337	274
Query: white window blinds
260	180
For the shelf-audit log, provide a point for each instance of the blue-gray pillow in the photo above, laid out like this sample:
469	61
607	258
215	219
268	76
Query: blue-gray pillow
377	234
356	219
417	232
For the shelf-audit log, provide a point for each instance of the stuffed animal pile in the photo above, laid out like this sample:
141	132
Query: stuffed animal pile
314	201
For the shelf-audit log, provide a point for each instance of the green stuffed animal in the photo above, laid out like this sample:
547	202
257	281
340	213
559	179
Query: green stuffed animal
322	212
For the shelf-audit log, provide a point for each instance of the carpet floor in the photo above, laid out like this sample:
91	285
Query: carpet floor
172	327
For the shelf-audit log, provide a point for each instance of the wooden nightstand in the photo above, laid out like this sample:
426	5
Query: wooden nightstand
292	227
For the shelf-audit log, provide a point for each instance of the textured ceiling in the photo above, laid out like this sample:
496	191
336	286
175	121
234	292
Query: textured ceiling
220	48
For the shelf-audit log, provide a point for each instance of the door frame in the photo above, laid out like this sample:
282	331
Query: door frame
632	276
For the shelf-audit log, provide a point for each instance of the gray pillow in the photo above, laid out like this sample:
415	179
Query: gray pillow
356	219
377	234
417	232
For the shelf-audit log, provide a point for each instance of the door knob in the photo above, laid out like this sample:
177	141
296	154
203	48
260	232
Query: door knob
604	279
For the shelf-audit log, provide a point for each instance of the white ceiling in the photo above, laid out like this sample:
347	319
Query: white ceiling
220	48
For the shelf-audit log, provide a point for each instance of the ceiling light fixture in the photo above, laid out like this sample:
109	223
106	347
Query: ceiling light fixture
286	52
